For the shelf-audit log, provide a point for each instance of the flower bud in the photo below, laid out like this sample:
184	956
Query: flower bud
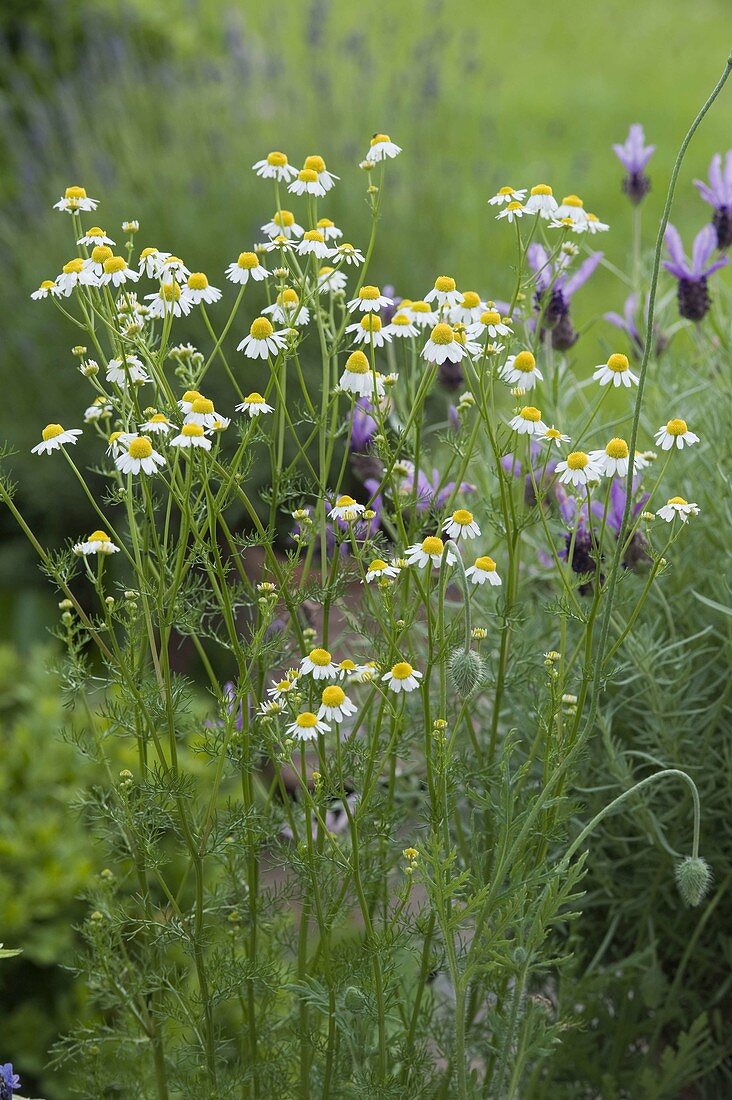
466	670
354	1000
693	878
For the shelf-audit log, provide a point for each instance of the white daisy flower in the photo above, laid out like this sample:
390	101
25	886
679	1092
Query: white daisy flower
127	371
73	274
675	433
262	340
307	183
95	236
402	677
423	316
132	226
350	255
151	262
577	469
174	270
484	569
199	290
528	421
490	321
335	704
275	166
268	709
381	148
615	372
75	199
553	435
47	287
319	664
572	208
286	309
246	267
461	524
191	435
99	409
169	299
512	212
138	456
429	551
369	330
506	195
346	508
201	412
369	300
255	405
379	568
283	224
358	377
442	345
613	459
594	225
331	281
469	309
329	229
158	424
94	264
317	164
313	244
53	437
117	272
281	688
307	726
444	292
186	402
402	326
541	201
677	506
118	442
98	542
521	370
220	423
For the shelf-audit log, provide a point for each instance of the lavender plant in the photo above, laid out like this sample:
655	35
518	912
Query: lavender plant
359	697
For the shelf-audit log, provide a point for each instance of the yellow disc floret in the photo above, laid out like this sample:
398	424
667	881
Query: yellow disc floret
524	362
190	396
276	159
357	363
314	164
288	297
333	696
463	517
99	536
378	566
100	253
140	447
261	328
369	293
114	264
491	317
433	545
192	431
506	190
471	300
169	291
73	267
285	218
75	193
486	564
677	500
617	448
248	260
51	431
378	138
402	670
254	399
618	362
577	460
445	284
542	189
676	427
319	657
307	720
371	322
530	412
442	334
197	281
202	405
572	200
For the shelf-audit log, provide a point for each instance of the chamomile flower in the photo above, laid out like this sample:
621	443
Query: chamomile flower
98	542
469	309
572	207
615	372
512	212
282	687
275	166
151	262
95	236
139	456
98	410
53	437
191	435
594	225
118	443
675	433
286	309
94	264
245	268
346	509
47	287
483	570
127	371
199	290
158	424
613	459
75	199
316	164
329	229
402	326
186	402
262	340
313	244
461	525
490	321
174	270
380	568
402	677
553	435
73	274
507	194
541	201
307	183
201	412
369	300
335	704
442	345
528	421
423	316
307	726
117	272
381	148
331	281
131	226
350	255
521	370
444	292
577	469
168	300
254	405
319	664
677	506
428	552
219	423
358	377
369	330
283	224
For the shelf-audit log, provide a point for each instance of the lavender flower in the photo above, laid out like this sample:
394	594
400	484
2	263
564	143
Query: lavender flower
718	193
637	552
556	313
363	425
693	296
9	1081
428	492
628	324
634	156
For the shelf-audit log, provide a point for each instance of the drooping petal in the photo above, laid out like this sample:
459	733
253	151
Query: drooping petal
705	243
675	248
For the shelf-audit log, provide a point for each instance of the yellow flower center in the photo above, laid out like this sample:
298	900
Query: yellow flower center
191	395
369	293
100	253
617	448
470	299
307	720
141	447
553	433
371	322
345	502
314	164
73	267
401	319
677	500
284	218
377	566
514	206
192	431
169	291
530	412
320	657
261	328
577	460
524	362
442	334
197	281
202	405
491	317
542	189
506	190
99	536
433	545
420	307
75	193
313	234
676	427
114	437
572	200
592	217
114	263
324	223
347	666
148	252
254	399
357	363
378	138
444	284
159	418
402	670
276	159
47	284
51	431
618	362
486	564
248	260
463	517
333	696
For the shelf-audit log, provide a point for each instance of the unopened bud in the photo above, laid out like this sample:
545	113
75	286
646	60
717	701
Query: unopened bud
693	878
466	670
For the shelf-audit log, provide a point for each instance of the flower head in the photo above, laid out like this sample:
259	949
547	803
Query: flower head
335	704
98	542
75	199
53	437
381	147
718	193
675	434
677	506
616	372
429	552
255	405
191	435
634	155
307	726
693	296
139	455
262	340
528	421
578	469
319	664
402	677
275	166
483	571
461	524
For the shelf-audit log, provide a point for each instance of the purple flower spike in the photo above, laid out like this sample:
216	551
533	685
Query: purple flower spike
9	1081
693	295
556	315
628	324
718	193
634	155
